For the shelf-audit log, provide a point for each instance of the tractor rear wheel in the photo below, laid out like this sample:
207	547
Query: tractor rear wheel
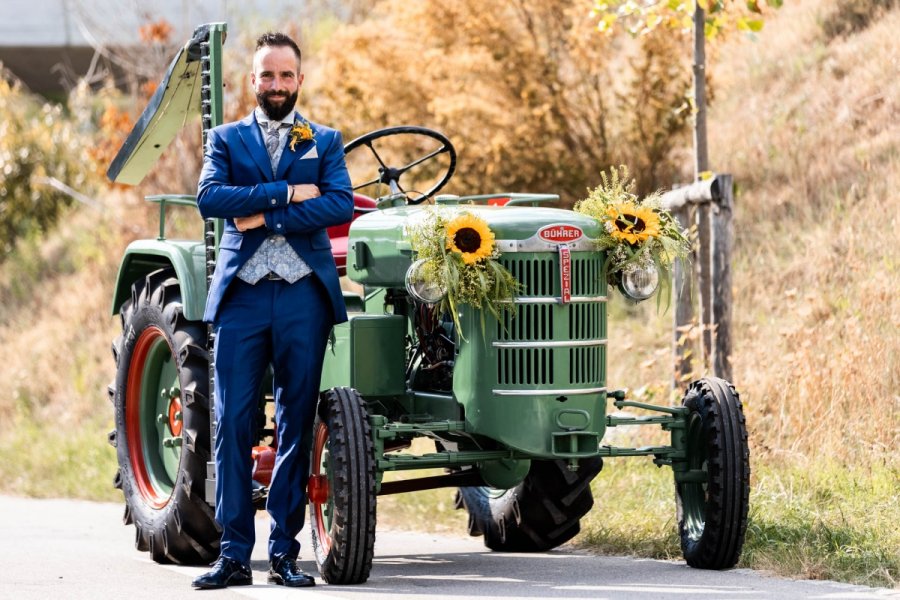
542	512
341	488
162	424
712	515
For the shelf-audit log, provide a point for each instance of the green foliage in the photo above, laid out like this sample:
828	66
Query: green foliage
529	94
37	142
720	16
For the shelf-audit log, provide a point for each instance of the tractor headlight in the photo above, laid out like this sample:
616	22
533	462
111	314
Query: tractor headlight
429	292
640	281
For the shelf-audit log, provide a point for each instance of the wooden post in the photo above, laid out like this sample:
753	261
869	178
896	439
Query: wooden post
682	343
703	262
716	195
701	149
722	240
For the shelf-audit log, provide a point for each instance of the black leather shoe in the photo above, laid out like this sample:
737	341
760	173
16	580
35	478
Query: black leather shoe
225	572
284	571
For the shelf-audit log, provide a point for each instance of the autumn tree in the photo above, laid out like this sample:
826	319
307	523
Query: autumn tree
531	96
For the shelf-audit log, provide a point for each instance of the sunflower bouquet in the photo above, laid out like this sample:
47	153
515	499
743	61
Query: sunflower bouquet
301	131
458	254
635	232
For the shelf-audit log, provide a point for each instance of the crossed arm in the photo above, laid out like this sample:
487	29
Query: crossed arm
296	193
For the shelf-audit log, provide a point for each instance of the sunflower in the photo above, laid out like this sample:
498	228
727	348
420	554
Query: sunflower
632	223
471	237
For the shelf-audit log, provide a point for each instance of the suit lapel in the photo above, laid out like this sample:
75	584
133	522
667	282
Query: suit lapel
289	157
252	139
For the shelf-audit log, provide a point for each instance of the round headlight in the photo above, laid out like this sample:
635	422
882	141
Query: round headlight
429	292
640	281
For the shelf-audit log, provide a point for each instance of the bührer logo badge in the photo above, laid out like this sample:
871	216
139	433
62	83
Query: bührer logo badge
560	234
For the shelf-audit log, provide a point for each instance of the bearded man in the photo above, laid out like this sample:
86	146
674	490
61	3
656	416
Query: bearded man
278	181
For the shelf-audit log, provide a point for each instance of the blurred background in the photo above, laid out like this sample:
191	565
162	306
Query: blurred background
805	113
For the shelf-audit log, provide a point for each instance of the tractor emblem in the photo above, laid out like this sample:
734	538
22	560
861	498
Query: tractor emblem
560	234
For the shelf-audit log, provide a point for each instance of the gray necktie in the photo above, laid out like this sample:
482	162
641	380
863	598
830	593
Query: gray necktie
272	142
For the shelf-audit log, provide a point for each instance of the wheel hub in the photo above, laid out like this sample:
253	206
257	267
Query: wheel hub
174	416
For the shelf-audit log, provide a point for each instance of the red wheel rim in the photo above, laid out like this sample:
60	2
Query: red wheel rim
318	489
145	351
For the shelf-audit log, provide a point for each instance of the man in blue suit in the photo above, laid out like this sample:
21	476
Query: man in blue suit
278	181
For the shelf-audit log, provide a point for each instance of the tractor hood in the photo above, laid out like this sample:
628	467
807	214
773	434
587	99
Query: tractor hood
380	250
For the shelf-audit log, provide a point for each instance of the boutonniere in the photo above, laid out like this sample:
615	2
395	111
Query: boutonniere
300	132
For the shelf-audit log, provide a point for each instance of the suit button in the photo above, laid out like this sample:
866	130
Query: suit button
278	226
274	201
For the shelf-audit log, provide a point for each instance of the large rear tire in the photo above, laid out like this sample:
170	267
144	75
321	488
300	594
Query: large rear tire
541	513
342	488
712	515
162	424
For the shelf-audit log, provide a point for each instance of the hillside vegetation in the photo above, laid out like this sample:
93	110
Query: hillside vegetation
807	118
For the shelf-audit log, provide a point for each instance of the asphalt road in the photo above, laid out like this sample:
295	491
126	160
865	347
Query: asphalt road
65	549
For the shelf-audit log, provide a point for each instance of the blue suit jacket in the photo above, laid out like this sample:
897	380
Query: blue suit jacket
237	181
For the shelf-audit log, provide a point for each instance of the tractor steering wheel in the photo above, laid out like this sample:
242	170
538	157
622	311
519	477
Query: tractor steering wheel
391	175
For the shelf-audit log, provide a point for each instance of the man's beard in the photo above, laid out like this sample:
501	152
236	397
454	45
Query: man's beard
276	113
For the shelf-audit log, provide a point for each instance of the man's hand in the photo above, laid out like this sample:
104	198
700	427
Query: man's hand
304	191
251	222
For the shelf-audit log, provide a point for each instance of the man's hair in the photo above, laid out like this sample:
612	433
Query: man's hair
277	38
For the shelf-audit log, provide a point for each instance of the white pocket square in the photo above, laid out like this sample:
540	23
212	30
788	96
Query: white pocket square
311	153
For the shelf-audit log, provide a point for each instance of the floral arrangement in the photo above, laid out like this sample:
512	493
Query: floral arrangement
635	232
301	131
459	254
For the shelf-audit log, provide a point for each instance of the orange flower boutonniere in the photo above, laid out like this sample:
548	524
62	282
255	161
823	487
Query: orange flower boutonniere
300	132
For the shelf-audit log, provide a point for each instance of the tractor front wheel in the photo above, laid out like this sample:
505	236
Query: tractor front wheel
341	488
712	509
162	424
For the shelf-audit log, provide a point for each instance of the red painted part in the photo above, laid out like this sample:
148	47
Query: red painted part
133	429
565	271
339	234
498	201
317	489
320	439
263	464
175	424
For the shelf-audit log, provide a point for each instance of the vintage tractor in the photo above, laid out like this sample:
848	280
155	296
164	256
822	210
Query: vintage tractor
516	408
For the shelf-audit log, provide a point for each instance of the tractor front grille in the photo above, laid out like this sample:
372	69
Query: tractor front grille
548	343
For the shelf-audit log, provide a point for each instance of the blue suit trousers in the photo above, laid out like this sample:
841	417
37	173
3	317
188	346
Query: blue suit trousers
285	325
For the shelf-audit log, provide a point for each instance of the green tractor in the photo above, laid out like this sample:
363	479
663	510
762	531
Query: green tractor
516	408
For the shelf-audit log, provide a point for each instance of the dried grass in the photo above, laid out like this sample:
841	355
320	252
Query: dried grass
55	320
811	132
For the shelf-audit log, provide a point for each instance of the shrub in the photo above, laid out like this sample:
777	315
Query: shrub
37	142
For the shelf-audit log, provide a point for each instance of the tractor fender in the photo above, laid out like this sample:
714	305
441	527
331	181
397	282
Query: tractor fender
188	258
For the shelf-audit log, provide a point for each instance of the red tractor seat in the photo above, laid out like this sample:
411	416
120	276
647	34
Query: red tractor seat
339	234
